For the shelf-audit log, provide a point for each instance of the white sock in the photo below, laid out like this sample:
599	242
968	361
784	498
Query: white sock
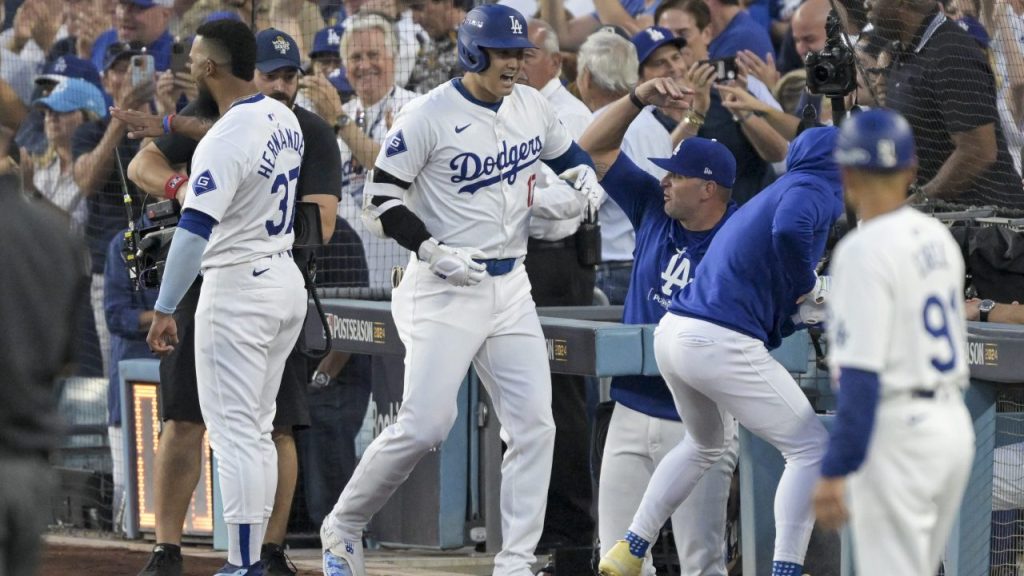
244	541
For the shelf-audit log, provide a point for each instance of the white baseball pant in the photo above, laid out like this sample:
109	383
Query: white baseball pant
713	372
904	499
246	325
494	325
635	446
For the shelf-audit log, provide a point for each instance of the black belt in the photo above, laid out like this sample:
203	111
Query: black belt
922	393
537	244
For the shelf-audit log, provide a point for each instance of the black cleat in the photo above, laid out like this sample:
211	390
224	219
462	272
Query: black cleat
275	562
164	561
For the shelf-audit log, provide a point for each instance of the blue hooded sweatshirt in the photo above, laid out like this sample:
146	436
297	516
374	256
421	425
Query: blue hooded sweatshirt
764	257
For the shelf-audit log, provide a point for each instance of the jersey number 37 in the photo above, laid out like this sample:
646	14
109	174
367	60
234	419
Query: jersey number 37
286	208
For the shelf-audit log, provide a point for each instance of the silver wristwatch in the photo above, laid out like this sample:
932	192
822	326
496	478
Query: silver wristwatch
320	380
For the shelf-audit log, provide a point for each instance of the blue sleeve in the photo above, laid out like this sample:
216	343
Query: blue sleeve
121	304
571	158
183	260
855	420
632	188
793	235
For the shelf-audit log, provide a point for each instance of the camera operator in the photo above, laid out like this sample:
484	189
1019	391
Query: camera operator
153	170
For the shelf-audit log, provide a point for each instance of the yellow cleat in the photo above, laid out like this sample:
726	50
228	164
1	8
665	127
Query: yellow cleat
619	561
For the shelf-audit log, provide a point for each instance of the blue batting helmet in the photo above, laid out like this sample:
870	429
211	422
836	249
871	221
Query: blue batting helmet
876	140
490	26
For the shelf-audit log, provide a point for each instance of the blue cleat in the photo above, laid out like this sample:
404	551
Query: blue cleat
232	570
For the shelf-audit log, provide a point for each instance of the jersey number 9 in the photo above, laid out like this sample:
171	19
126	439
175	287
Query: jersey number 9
939	320
285	208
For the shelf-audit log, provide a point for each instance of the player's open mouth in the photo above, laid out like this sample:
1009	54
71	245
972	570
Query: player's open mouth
509	77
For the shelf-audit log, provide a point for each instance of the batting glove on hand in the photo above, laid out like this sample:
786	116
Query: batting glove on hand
455	265
812	310
584	180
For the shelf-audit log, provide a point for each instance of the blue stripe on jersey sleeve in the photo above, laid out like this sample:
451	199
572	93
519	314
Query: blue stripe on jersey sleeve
199	223
857	403
571	158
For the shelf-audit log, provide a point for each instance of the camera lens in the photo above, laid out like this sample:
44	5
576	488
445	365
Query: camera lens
824	72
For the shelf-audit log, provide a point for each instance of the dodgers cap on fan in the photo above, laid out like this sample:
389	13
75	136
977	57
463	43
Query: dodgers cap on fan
222	15
327	41
275	50
118	50
69	66
877	140
701	158
151	3
339	79
653	37
75	94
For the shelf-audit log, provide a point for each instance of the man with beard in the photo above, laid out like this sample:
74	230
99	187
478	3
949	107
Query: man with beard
153	170
937	66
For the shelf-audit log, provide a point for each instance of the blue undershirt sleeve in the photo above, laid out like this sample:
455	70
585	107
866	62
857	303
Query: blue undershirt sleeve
857	403
571	158
184	259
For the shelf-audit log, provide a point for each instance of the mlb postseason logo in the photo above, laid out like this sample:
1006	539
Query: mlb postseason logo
517	27
281	45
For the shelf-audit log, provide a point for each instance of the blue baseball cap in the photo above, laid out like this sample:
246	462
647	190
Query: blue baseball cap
222	15
701	158
75	94
327	41
150	3
653	37
275	50
339	79
69	66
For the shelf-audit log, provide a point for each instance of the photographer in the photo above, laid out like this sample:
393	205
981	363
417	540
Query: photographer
154	170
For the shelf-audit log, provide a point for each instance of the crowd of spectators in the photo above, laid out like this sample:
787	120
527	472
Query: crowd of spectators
954	68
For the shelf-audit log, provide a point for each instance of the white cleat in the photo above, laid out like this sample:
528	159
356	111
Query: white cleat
343	556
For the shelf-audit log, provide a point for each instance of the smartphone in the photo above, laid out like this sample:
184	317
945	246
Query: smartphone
179	56
725	68
142	69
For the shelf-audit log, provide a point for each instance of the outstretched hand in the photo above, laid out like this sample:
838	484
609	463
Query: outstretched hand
140	124
665	93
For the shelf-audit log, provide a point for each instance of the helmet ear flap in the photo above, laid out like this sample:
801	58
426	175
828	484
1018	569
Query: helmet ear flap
472	57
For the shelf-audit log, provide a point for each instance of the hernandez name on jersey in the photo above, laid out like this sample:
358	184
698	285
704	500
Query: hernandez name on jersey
252	166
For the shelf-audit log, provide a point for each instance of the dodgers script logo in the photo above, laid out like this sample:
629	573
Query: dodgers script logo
508	162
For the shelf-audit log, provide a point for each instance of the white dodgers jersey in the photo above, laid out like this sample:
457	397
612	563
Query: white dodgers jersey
896	304
472	168
244	174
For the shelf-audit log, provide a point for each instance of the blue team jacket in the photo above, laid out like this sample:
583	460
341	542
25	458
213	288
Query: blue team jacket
763	258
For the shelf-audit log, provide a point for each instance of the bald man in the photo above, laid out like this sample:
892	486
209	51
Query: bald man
808	26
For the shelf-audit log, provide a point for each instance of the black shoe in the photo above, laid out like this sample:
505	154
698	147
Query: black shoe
275	562
164	561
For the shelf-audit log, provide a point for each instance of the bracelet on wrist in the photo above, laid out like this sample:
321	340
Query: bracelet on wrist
636	99
168	127
173	184
693	119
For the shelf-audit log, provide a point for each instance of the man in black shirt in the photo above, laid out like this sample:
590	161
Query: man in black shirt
177	466
40	291
940	80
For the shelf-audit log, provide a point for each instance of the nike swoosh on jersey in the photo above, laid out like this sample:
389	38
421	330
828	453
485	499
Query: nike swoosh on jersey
259	272
459	129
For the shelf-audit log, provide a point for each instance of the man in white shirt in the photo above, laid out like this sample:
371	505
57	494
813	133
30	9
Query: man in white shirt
559	279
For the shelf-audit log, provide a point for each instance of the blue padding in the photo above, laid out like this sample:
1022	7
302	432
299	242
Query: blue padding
619	350
650	363
792	353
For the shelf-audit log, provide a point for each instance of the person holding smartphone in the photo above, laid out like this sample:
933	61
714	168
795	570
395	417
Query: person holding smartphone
92	147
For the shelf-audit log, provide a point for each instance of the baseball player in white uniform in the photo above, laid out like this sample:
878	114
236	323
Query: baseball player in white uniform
454	183
897	339
236	227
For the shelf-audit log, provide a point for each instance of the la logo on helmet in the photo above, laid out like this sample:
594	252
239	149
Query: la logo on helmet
517	28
